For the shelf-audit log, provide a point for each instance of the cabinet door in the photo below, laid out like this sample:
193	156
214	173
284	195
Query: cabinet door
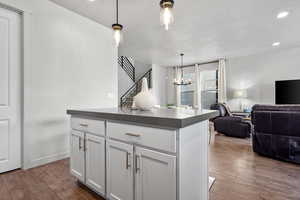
119	171
95	163
155	175
77	155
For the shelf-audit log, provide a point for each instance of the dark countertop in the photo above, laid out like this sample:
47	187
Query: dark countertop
171	118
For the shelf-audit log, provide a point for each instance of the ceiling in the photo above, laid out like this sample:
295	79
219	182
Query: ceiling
203	29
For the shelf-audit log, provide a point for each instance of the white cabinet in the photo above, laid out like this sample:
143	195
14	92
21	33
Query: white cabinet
160	139
93	126
95	163
77	155
119	171
88	153
155	175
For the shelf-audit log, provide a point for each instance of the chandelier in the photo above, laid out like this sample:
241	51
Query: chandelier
180	81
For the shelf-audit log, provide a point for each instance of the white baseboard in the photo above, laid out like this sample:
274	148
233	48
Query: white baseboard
46	160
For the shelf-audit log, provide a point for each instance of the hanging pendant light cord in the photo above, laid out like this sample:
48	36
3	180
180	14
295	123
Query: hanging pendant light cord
117	14
181	67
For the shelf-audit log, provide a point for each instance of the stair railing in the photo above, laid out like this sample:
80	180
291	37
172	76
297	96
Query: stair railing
127	66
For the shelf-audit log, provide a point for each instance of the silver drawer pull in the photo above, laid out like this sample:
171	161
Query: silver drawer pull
137	164
128	163
94	141
133	135
84	125
80	145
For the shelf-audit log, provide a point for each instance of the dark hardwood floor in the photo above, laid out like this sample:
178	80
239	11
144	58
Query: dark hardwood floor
241	175
244	175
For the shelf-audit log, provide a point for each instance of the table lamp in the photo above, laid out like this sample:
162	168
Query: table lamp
240	94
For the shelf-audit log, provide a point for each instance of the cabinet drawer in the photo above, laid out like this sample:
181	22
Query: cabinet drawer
88	125
151	137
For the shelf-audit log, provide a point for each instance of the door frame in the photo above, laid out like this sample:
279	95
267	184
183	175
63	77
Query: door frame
25	16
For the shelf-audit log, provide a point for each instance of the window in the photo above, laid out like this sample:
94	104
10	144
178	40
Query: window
208	86
187	91
209	90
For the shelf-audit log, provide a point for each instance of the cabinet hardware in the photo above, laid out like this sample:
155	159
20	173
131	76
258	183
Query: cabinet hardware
133	134
84	125
137	164
94	141
128	163
80	145
85	145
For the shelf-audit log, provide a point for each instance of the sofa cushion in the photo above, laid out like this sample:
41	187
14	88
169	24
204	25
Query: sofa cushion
259	107
232	126
277	131
277	121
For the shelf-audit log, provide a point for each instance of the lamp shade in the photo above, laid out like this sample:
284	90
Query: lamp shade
240	94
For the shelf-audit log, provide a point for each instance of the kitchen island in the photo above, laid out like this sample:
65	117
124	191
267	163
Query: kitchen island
124	154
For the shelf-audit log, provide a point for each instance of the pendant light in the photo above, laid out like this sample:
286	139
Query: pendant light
166	13
180	81
117	28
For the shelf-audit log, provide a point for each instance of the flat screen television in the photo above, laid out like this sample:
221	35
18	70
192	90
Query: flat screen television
287	92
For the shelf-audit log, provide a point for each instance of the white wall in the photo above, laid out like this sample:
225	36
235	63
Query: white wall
124	82
171	89
70	62
159	83
141	68
258	73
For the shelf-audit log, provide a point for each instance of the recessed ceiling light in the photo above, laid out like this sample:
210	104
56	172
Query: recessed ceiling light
282	15
275	44
91	0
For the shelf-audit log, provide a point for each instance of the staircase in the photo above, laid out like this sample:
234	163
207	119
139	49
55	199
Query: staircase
128	67
127	99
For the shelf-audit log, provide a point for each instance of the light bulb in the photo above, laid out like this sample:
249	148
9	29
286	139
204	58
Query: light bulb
275	44
282	15
117	37
166	17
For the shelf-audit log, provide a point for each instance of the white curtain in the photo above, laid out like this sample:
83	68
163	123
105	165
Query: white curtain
178	88
222	91
198	89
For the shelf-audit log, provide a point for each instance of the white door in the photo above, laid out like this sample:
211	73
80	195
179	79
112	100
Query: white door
10	91
155	175
95	163
77	155
119	171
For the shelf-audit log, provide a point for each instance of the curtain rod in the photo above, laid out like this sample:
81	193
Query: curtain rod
2	5
204	63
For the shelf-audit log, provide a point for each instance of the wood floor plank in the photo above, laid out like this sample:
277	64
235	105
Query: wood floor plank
4	194
16	187
37	188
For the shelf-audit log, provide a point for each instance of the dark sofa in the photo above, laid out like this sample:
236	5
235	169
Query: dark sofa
228	124
277	131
